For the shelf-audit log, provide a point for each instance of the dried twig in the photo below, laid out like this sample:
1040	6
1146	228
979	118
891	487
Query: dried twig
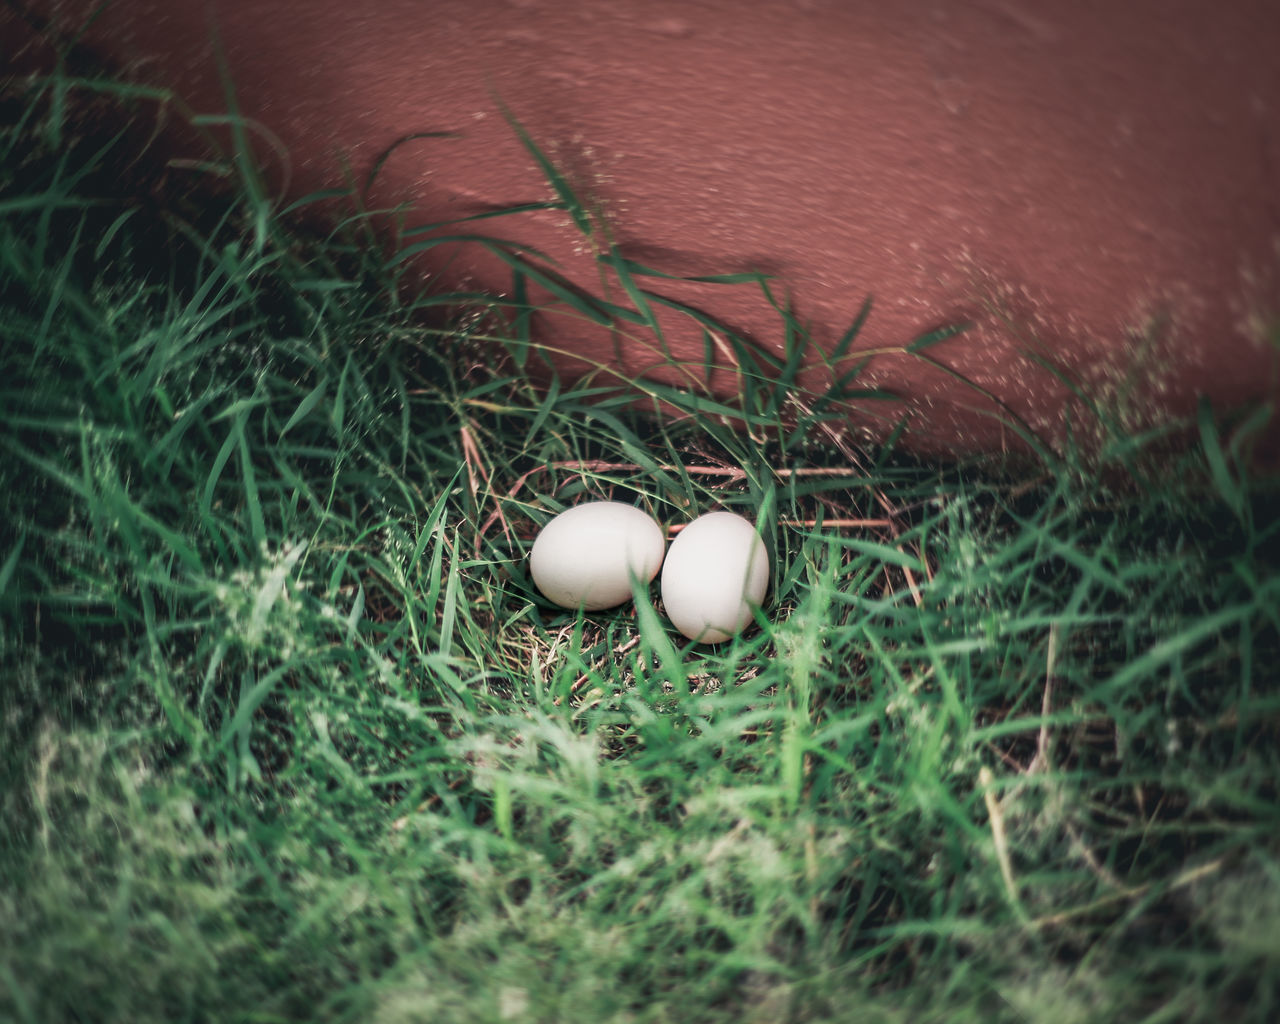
998	836
1187	877
1043	762
834	524
475	464
730	474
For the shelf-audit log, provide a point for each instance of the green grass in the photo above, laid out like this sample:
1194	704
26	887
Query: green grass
289	736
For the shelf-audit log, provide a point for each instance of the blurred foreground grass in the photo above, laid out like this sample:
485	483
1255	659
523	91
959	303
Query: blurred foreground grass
289	736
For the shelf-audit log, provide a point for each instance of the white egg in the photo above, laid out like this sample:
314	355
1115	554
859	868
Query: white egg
587	555
716	571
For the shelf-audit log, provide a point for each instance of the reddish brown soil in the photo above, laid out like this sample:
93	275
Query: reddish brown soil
1094	171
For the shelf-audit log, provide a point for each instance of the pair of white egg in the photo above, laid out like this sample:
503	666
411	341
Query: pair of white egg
715	573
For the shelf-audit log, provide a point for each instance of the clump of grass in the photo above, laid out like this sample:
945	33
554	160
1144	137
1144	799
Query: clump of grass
289	735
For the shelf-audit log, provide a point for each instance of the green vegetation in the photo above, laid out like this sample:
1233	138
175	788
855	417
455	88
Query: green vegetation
288	735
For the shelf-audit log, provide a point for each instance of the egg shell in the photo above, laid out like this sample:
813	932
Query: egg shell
716	570
586	556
